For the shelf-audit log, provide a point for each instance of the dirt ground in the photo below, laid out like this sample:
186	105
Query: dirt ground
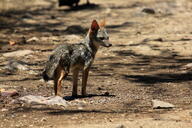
147	61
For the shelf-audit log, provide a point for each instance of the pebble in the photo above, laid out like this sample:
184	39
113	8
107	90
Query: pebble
148	10
99	88
106	93
9	92
4	109
12	65
40	100
43	119
33	39
121	126
157	104
18	53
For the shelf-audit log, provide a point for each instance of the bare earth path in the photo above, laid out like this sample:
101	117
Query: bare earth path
147	61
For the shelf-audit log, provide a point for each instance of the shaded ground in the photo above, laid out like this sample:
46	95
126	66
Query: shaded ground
146	62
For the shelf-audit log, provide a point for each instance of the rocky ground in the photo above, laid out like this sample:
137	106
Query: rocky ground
150	59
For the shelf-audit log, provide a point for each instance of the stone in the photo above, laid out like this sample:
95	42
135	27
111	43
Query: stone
148	10
14	65
157	104
9	92
43	119
18	53
4	109
2	89
40	100
33	39
121	126
33	72
187	66
106	94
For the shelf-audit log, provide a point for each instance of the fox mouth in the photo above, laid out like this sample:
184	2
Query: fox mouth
106	43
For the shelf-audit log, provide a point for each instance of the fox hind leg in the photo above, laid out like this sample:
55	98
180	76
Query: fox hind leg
75	82
60	74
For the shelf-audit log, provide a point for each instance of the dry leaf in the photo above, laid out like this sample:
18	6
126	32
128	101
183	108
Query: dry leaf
12	43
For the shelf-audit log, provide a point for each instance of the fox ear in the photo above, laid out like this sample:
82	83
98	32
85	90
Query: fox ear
94	25
102	24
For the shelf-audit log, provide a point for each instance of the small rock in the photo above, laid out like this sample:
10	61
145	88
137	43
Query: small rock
33	39
14	102
33	72
146	40
148	10
43	119
99	88
157	104
41	80
159	39
18	53
121	126
4	109
50	82
9	92
40	100
80	104
14	65
106	93
108	11
187	66
2	89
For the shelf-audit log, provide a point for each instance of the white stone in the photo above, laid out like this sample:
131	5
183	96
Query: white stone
40	100
16	65
157	104
18	53
33	39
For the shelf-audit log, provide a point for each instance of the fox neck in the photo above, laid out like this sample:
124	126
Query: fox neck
90	43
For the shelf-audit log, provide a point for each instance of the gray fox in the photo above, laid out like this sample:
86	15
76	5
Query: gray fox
76	57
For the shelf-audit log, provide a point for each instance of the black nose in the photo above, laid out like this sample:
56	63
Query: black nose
109	45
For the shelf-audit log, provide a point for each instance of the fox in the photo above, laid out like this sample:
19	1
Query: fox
75	58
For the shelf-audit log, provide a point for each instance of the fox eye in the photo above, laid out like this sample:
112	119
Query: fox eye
101	38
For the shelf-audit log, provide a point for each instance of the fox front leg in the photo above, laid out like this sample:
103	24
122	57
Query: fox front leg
84	81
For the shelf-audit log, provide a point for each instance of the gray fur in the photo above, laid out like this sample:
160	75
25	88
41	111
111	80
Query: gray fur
70	55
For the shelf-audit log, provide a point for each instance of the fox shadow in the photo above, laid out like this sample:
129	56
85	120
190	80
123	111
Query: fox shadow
70	98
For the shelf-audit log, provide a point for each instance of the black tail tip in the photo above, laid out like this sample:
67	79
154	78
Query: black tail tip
45	76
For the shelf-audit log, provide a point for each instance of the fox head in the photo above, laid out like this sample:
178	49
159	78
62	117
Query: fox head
98	34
